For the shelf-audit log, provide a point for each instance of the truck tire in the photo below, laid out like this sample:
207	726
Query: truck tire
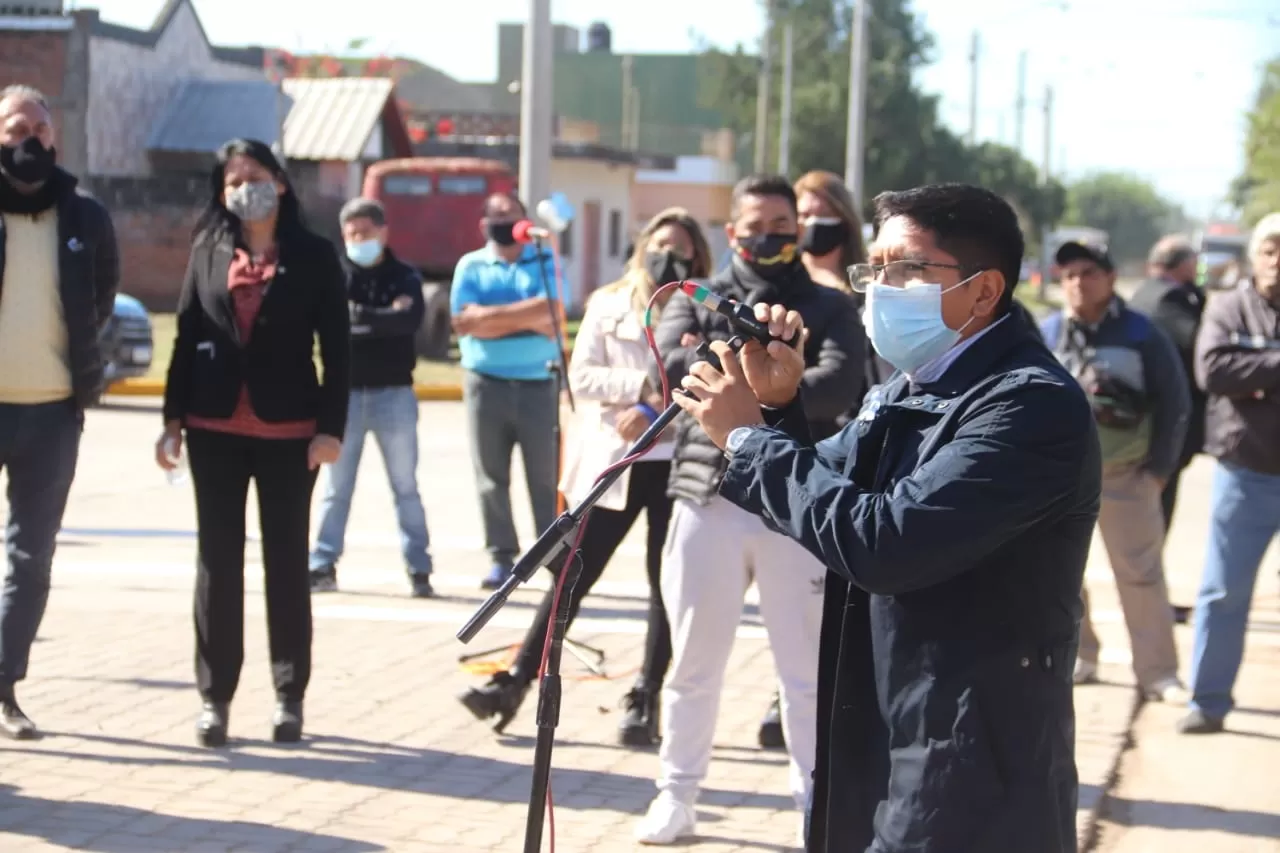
434	337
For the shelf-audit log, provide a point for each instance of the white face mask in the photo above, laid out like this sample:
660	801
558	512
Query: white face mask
905	324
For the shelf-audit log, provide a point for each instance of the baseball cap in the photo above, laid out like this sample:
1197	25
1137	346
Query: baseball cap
1076	250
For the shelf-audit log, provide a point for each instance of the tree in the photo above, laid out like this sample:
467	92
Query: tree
1127	207
1257	191
907	145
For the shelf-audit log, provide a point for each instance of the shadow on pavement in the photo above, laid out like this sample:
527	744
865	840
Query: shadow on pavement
1191	816
121	829
324	758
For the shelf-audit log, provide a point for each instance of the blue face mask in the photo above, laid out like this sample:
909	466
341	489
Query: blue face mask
905	324
364	254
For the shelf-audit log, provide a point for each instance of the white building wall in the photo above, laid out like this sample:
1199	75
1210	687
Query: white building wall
601	192
129	86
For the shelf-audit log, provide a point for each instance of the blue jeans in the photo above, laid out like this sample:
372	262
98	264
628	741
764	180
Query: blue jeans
391	414
1245	515
39	446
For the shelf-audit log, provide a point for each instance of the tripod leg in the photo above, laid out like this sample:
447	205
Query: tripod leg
486	653
579	651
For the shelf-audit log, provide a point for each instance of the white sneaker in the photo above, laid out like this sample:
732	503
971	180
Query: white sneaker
1086	672
1169	691
667	821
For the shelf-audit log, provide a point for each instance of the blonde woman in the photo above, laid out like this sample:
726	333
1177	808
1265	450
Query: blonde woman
608	373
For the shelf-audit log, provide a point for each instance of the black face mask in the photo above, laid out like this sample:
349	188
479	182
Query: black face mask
770	255
28	162
502	233
666	266
823	236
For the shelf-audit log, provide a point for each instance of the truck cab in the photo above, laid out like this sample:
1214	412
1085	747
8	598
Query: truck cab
434	205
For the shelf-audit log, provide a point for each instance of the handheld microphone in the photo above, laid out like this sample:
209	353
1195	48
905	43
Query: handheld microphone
526	232
743	318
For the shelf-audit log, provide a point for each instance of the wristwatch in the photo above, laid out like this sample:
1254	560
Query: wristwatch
736	438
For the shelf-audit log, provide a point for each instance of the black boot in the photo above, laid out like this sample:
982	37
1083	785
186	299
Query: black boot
286	723
639	726
500	698
211	725
14	724
771	734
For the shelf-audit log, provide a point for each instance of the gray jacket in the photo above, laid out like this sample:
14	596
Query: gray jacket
1139	353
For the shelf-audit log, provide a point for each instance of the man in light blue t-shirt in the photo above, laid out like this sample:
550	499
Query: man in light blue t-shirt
506	337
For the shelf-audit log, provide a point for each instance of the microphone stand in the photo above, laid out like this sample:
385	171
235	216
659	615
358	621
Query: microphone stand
552	550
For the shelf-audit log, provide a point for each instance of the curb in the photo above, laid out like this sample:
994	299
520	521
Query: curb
1087	835
155	388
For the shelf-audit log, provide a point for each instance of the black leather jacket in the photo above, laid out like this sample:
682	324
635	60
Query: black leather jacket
834	355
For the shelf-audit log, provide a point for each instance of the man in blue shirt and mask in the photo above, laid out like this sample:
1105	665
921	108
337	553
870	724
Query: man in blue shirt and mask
954	515
507	340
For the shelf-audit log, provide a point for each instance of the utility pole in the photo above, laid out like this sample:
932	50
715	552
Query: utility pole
624	132
784	137
1048	131
536	105
855	140
973	90
1046	261
763	80
1020	106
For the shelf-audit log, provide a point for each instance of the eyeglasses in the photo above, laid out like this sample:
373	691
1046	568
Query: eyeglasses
894	274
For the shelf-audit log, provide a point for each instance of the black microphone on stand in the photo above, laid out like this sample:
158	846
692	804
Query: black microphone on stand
740	316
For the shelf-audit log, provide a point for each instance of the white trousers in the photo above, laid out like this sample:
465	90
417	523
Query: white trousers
711	556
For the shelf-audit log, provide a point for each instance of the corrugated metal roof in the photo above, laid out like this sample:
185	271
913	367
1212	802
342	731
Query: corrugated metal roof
332	119
204	114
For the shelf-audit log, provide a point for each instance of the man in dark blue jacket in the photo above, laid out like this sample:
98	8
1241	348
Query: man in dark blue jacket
956	512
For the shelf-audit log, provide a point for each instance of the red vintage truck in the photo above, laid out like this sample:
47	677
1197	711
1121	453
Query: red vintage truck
434	205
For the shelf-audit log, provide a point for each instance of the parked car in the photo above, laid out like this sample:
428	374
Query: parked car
127	340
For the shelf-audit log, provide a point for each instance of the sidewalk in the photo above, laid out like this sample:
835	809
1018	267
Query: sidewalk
1220	793
393	763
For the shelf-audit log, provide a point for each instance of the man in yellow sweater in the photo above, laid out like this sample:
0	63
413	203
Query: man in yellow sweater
59	269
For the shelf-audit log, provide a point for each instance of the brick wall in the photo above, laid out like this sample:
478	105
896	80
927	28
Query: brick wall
36	58
153	218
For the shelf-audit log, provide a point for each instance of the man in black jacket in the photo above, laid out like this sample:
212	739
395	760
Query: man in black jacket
955	514
59	270
386	310
714	550
1175	305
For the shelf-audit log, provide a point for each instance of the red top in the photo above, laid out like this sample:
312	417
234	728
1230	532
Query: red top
247	281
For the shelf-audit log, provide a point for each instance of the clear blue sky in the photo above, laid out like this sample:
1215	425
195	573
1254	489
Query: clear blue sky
1157	87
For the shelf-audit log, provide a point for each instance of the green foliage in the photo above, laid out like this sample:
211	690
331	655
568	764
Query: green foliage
1127	207
907	145
1257	191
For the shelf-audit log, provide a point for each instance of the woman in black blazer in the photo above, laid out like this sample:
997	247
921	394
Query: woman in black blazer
242	385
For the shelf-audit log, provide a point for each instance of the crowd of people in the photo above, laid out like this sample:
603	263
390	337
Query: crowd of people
884	482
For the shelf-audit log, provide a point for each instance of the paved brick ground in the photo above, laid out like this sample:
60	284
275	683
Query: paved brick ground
392	761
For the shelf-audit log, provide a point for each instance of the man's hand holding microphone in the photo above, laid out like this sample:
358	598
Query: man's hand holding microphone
755	376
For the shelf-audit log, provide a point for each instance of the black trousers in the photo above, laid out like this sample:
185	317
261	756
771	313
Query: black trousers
222	466
646	492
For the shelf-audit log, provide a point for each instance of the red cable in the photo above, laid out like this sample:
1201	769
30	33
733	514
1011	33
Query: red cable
582	528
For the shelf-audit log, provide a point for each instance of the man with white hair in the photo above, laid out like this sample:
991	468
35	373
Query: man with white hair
1238	364
1172	301
59	269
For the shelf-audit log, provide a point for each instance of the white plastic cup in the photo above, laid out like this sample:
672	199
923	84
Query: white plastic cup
178	475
